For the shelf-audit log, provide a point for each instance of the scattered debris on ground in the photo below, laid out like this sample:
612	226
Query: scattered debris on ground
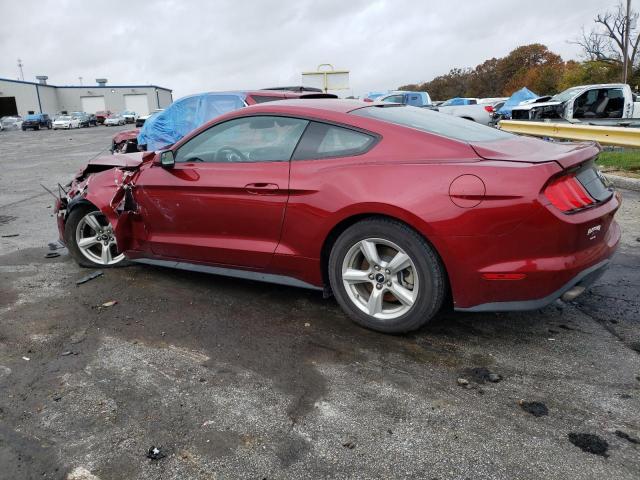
155	453
590	443
52	255
537	409
89	277
108	304
482	375
11	235
349	444
627	437
26	359
55	246
66	354
463	382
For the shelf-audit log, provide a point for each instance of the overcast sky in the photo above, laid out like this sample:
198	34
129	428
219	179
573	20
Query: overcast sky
196	46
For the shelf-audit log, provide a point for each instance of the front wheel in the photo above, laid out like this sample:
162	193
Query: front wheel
90	238
385	276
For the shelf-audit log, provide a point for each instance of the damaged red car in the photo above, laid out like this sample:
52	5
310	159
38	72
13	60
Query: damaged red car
395	210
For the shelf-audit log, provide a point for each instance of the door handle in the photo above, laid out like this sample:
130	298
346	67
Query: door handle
262	188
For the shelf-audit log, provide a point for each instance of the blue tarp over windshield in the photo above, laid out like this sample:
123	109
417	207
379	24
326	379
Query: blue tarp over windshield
187	114
516	99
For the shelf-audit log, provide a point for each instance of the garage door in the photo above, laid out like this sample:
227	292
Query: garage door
8	106
92	104
137	103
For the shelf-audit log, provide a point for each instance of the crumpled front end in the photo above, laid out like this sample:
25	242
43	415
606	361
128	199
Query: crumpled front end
107	184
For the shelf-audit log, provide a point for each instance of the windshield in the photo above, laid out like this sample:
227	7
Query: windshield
32	117
64	118
434	122
566	95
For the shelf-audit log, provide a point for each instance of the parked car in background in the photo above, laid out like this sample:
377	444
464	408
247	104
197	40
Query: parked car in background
11	122
467	108
66	122
394	209
102	115
607	101
113	120
373	96
83	118
187	113
143	118
129	116
36	121
459	101
415	99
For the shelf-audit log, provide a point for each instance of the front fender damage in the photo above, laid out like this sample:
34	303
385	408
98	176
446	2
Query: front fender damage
111	191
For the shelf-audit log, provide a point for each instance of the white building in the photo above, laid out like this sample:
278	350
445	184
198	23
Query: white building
21	97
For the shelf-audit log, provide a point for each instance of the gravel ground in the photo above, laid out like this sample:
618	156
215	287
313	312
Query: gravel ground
235	379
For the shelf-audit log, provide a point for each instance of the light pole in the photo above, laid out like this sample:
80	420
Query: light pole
627	27
20	65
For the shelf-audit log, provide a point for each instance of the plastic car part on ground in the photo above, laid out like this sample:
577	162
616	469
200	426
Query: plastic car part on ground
185	115
516	99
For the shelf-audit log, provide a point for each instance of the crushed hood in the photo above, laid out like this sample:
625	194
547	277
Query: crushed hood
122	160
125	161
534	150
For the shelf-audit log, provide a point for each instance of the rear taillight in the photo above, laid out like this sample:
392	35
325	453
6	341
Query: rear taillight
567	194
489	108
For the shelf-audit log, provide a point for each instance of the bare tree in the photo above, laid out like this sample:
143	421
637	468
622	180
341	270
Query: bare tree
606	42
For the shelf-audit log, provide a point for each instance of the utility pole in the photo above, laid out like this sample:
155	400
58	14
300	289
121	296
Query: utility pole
20	65
627	28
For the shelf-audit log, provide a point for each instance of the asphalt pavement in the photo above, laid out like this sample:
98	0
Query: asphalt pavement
222	378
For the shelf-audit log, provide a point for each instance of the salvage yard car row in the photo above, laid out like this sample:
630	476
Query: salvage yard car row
66	121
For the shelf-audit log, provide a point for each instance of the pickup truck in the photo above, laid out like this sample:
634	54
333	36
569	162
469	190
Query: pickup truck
469	109
415	99
585	103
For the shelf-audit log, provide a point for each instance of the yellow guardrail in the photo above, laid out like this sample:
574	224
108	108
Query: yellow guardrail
621	136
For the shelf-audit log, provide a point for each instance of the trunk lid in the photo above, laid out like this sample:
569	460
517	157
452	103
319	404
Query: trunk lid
533	150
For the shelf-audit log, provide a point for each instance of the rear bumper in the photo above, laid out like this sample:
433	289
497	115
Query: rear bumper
584	279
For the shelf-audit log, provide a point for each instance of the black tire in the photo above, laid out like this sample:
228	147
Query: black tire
37	127
75	216
432	286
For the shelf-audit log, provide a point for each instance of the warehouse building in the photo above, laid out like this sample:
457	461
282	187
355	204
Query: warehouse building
18	97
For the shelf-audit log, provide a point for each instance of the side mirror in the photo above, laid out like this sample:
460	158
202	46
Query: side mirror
167	160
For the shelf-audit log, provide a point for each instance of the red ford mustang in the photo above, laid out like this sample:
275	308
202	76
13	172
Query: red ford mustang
393	209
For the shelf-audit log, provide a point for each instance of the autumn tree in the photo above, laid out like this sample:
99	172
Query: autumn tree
532	66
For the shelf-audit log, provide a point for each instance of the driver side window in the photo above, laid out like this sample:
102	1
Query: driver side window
246	139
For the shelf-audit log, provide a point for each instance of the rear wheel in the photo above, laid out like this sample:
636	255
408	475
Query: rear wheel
90	238
385	276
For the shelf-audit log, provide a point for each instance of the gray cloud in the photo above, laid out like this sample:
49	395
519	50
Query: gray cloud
194	46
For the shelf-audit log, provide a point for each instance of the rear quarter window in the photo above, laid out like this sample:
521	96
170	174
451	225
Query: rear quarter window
434	122
321	140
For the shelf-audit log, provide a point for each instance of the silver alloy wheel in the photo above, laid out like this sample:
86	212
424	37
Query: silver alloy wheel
380	278
96	241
